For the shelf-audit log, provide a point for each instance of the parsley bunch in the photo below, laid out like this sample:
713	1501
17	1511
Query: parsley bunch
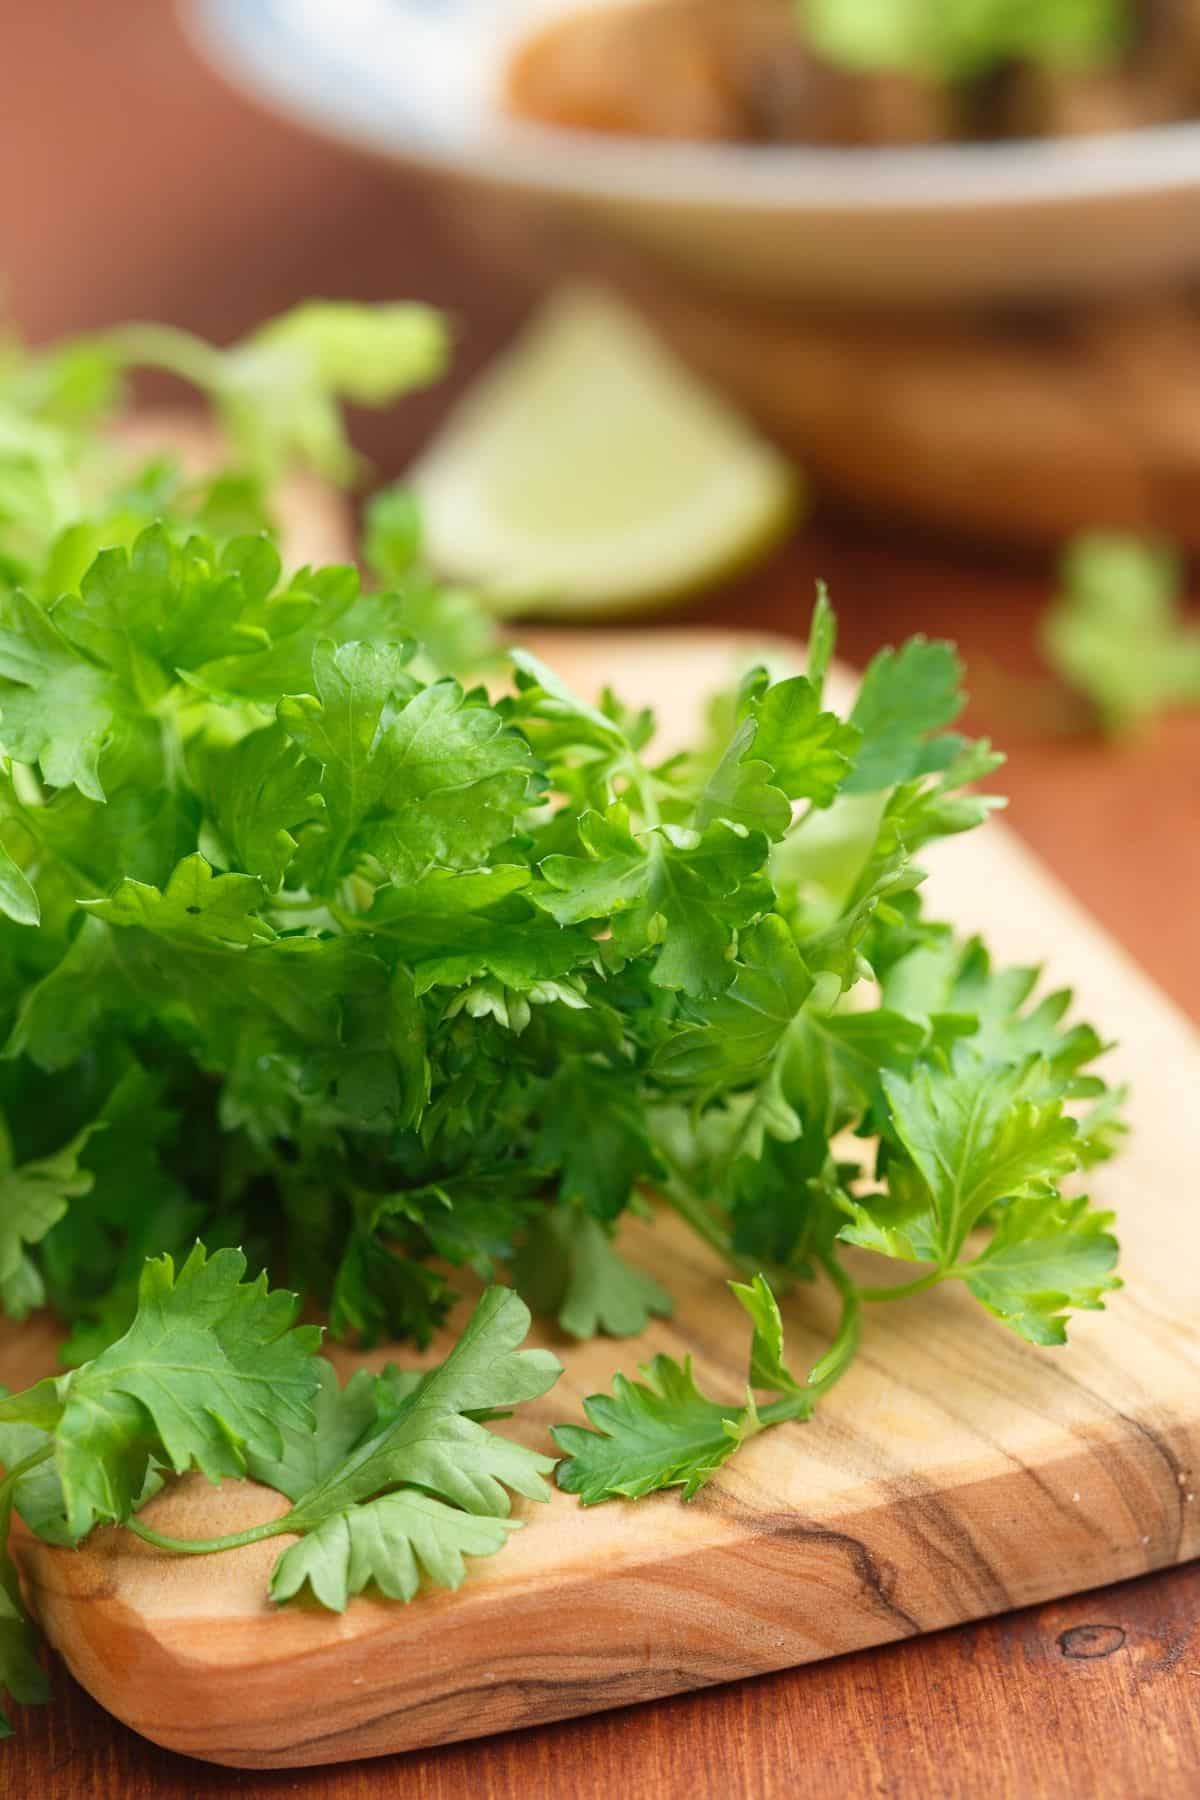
311	945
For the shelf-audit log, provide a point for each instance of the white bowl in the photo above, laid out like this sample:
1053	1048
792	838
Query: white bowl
418	82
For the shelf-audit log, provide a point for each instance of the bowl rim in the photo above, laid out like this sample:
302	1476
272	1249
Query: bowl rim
318	68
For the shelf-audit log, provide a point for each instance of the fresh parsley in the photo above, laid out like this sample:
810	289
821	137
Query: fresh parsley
395	1477
313	944
1117	633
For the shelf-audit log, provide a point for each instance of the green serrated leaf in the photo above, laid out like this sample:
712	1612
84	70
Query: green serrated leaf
389	1543
906	696
657	1433
194	904
210	1368
34	1196
1047	1257
568	1266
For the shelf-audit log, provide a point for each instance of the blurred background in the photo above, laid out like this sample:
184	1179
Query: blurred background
971	356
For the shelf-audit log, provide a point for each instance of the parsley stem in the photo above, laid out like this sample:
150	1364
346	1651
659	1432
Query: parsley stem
166	347
792	1406
697	1215
830	1368
905	1288
205	1546
642	781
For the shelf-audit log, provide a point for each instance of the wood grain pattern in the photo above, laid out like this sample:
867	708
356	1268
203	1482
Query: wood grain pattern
955	1473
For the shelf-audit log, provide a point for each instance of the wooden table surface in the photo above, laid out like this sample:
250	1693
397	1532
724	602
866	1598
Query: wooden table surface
132	183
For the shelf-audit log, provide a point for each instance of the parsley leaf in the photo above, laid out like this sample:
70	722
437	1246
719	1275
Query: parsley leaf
681	892
453	775
906	696
309	945
195	903
1117	633
209	1367
410	1492
276	392
57	709
568	1267
33	1198
663	1432
1046	1255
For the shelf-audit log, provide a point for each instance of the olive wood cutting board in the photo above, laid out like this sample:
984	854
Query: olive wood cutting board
956	1471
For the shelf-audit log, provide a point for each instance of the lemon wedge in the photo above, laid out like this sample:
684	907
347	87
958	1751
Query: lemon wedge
589	472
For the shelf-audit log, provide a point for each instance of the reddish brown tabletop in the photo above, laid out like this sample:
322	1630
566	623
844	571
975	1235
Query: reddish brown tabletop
132	183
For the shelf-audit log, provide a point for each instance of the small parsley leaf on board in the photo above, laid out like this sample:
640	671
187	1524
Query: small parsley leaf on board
655	1433
427	1482
389	1543
662	1432
341	1418
210	1366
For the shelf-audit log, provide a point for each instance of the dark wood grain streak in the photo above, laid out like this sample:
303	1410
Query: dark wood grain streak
132	183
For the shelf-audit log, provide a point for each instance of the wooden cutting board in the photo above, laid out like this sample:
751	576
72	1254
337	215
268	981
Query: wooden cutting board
956	1472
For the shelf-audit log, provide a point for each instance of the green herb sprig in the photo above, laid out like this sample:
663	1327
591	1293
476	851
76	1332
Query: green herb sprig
312	944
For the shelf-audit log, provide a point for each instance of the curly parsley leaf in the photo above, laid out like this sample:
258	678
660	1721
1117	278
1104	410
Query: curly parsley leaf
568	1266
406	1494
663	1432
34	1196
209	1368
1046	1257
391	1544
194	904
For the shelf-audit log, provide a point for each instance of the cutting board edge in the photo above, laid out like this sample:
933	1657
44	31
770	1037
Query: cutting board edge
865	1566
